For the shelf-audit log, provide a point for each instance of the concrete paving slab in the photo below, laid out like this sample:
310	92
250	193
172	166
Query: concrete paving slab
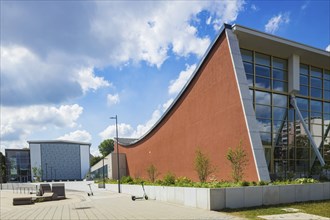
103	205
294	216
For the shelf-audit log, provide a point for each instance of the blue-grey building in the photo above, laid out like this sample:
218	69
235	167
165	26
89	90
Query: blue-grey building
59	159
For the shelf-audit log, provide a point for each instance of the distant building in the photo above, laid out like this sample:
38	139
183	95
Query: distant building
56	159
18	165
108	167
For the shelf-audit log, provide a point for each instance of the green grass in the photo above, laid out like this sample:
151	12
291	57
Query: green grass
320	208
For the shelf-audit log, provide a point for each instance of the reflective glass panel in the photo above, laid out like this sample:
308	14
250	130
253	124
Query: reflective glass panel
280	153
247	55
304	115
262	71
326	107
249	79
316	114
279	113
327	94
264	125
326	74
279	126
262	59
316	72
316	93
316	106
326	119
316	82
266	138
279	63
279	74
268	153
280	100
263	111
302	153
302	140
262	82
302	104
303	90
302	166
248	67
326	85
262	97
303	69
304	80
280	86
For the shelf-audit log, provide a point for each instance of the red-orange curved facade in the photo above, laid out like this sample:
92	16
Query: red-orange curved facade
208	115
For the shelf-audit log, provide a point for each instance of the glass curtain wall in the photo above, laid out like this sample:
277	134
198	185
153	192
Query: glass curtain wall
287	148
18	165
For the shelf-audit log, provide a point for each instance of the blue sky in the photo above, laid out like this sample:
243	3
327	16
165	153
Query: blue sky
68	66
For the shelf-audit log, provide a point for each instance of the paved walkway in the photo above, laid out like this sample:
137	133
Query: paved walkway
103	205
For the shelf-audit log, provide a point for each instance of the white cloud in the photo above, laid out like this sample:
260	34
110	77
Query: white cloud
151	36
177	84
78	135
19	122
113	99
87	80
328	48
124	130
28	79
304	6
254	7
274	23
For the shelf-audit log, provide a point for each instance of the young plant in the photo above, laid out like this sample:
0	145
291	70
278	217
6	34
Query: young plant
169	179
238	161
152	173
203	166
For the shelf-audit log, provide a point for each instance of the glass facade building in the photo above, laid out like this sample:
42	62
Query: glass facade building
18	165
287	148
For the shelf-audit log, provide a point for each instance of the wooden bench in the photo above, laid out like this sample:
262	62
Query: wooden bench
23	201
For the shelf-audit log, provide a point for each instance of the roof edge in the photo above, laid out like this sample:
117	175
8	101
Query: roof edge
272	37
58	141
221	31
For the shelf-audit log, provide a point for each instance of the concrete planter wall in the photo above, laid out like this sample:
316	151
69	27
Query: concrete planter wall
238	197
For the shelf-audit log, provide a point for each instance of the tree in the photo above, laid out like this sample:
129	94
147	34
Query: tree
238	161
2	168
152	173
203	166
37	172
95	160
106	147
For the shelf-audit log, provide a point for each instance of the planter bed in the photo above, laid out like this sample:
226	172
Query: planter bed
231	197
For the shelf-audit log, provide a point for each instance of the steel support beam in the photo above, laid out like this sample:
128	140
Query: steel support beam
309	135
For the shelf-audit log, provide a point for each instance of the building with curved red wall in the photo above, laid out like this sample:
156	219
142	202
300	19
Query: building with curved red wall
219	107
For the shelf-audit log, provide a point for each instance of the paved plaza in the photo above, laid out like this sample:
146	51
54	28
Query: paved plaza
103	205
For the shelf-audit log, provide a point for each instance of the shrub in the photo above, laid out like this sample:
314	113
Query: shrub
183	181
262	183
127	179
169	179
203	166
305	180
244	183
238	161
152	173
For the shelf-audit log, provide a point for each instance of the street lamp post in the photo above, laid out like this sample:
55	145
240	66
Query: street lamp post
103	173
118	172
